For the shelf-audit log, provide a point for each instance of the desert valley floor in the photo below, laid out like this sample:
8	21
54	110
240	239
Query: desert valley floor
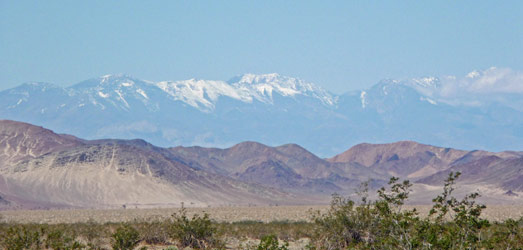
219	214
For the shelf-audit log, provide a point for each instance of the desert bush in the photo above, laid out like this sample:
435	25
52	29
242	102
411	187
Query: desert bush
57	239
504	235
270	242
455	223
93	233
339	227
197	232
20	237
381	223
155	232
384	224
125	237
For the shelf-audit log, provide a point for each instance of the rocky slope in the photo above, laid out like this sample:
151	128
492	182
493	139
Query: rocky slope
506	173
110	173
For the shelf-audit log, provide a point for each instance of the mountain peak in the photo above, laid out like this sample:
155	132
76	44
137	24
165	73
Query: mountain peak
261	78
122	80
116	76
264	85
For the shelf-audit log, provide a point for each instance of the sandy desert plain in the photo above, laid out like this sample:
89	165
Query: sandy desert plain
218	214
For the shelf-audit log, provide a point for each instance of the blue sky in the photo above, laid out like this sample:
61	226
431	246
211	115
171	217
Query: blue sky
340	45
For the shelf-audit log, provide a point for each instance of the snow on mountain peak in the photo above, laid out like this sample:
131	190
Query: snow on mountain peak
124	91
263	78
107	81
428	82
262	87
363	94
201	94
113	90
118	79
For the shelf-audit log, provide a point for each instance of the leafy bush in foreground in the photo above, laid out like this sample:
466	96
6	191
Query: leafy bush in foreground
58	239
125	237
155	232
18	238
197	232
384	224
270	242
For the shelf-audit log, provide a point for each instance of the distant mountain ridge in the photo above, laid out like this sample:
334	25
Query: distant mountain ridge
41	169
271	109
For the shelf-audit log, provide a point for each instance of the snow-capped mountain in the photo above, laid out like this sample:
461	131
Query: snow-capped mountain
118	91
275	109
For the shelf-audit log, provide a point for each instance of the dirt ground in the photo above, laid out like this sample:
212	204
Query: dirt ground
220	214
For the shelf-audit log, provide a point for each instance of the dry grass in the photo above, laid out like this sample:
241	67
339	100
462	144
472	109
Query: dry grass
219	214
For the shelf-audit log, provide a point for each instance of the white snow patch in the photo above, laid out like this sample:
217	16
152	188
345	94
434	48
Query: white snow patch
103	95
127	84
141	92
427	81
428	100
261	87
201	93
105	78
121	98
19	101
362	97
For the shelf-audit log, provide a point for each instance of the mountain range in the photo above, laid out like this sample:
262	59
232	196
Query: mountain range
272	109
42	169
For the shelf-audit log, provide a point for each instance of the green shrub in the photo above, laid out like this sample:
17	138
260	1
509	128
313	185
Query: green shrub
58	240
94	233
384	224
505	235
18	238
155	232
270	242
125	237
381	223
197	232
464	230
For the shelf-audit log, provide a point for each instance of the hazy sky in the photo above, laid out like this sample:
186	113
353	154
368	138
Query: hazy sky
340	45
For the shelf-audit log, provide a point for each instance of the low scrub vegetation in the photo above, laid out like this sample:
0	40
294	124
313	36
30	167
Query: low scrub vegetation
197	232
380	224
384	224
